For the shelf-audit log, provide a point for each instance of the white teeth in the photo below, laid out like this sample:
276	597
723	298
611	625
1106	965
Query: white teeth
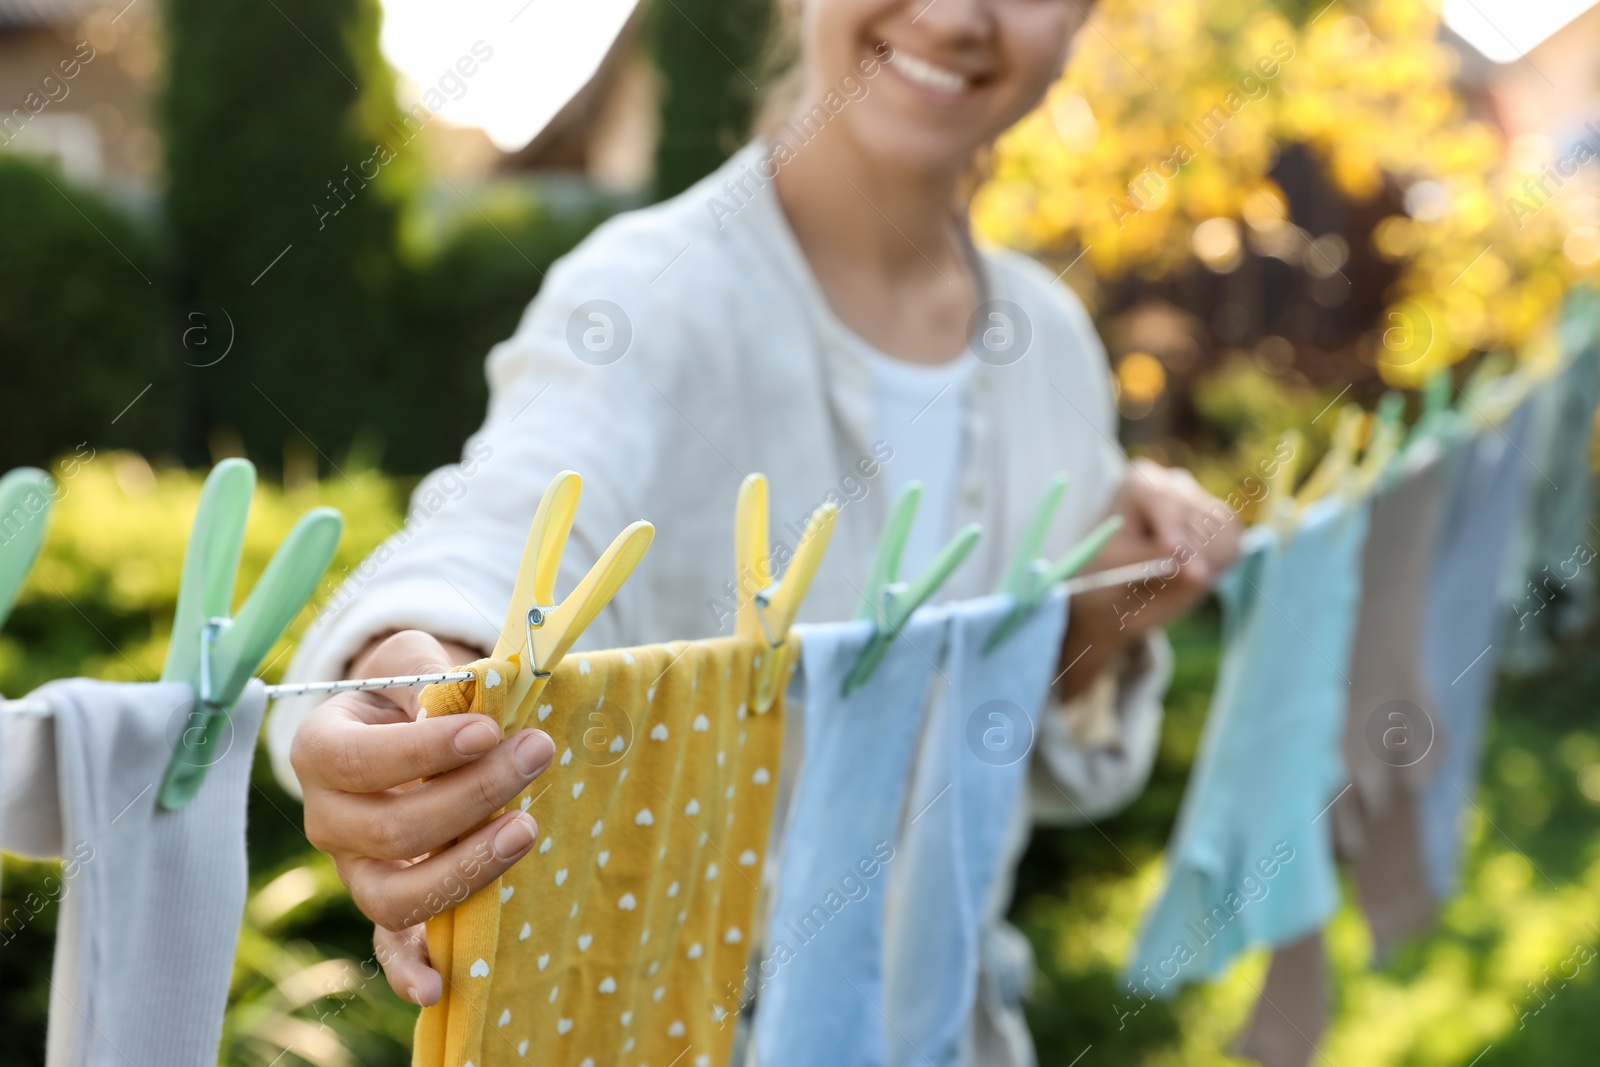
925	73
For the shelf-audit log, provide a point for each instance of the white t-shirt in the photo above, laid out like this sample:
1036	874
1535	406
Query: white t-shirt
920	410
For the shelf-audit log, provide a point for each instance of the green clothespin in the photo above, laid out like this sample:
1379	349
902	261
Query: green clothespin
1435	420
889	602
1029	578
25	498
217	654
1388	429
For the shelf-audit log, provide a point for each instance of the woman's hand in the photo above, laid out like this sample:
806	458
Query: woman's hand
1168	518
387	796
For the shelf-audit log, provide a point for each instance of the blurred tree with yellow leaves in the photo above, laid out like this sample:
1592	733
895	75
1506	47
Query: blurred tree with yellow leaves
1163	134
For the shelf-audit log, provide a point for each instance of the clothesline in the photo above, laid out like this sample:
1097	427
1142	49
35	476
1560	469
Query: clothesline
1083	584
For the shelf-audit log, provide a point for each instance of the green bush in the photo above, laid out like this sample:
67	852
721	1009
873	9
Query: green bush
272	116
81	322
709	53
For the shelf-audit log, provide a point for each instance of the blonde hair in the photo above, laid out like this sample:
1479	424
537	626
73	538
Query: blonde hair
781	72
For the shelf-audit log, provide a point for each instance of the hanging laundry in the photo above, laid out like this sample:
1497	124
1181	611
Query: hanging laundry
819	983
30	794
1387	733
970	772
1488	489
1550	580
152	899
626	931
1251	859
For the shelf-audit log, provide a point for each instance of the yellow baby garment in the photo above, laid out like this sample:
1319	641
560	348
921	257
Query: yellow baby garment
624	935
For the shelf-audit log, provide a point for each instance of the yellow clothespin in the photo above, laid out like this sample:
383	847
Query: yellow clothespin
767	609
1280	509
1336	467
538	631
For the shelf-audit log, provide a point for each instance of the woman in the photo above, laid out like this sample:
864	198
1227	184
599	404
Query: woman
816	311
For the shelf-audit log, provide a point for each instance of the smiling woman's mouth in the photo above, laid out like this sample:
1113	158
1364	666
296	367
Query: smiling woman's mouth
928	75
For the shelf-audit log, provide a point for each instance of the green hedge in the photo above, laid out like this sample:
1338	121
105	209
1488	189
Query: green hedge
81	322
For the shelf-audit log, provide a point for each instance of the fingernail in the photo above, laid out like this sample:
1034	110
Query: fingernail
515	837
476	738
532	751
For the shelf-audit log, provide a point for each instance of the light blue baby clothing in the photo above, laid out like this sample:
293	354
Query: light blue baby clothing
1548	584
820	998
971	769
1251	858
1488	494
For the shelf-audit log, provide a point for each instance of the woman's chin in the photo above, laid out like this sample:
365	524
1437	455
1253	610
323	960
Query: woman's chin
913	148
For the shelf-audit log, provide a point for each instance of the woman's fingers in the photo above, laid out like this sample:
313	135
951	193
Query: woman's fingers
334	749
400	825
403	955
399	895
404	653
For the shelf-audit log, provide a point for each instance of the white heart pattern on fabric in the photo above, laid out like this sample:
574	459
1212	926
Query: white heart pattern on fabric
608	984
526	932
594	831
525	802
675	1030
561	876
583	666
506	891
701	724
658	732
695	951
566	757
761	777
584	941
693	807
733	936
626	902
479	968
672	890
644	818
505	1017
605	854
577	790
545	710
547	844
563	1025
491	678
543	960
747	858
617	745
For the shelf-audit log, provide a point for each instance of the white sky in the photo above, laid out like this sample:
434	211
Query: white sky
1506	30
543	53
